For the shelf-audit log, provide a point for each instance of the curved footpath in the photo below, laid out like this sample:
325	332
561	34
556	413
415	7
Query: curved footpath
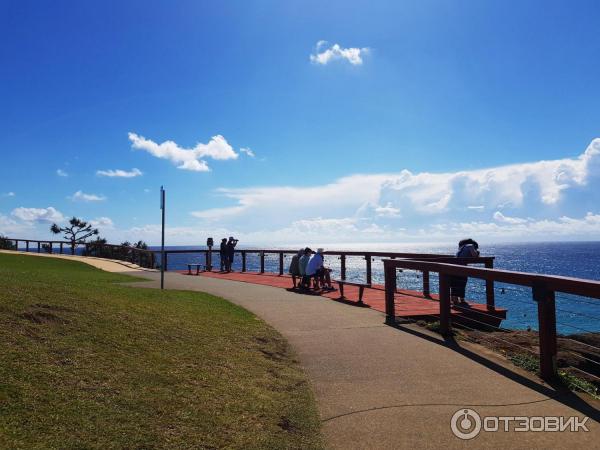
382	387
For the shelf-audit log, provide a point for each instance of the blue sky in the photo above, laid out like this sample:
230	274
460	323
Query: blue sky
413	121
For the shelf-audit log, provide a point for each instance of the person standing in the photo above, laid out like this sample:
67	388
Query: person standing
467	248
295	268
230	252
223	254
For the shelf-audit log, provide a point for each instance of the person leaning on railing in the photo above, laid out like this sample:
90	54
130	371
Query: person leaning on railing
467	248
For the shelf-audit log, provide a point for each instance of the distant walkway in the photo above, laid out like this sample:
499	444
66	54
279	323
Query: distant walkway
381	387
108	265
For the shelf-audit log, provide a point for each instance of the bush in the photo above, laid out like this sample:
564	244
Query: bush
7	244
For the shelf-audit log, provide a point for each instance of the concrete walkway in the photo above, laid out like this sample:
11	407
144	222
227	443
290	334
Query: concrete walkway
382	387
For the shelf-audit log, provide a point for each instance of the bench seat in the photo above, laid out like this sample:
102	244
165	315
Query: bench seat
361	288
197	268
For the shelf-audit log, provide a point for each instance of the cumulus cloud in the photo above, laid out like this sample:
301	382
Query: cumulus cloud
9	194
48	214
495	198
102	222
247	151
186	158
499	217
80	196
324	55
61	173
119	173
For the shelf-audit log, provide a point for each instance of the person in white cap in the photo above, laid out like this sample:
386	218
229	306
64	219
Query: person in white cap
315	269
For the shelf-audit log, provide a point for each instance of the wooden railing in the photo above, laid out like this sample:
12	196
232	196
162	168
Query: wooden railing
343	255
144	258
543	288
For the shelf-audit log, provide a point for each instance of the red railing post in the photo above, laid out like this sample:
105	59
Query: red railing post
390	290
547	330
445	325
489	288
281	263
426	287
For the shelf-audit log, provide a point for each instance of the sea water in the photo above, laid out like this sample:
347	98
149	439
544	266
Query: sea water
573	259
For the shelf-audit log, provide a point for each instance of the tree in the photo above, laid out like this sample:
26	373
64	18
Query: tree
76	233
6	244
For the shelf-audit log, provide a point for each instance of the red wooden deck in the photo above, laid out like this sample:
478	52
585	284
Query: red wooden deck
408	303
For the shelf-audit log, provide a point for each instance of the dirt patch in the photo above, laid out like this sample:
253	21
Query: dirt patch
51	307
42	317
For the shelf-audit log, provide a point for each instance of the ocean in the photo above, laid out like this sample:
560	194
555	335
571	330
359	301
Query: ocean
574	259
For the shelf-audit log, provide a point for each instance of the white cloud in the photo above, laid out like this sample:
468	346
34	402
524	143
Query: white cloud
102	223
324	55
9	194
49	214
248	151
80	196
119	173
499	217
186	158
420	202
61	173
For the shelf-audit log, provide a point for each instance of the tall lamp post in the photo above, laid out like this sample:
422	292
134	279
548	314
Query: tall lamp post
162	240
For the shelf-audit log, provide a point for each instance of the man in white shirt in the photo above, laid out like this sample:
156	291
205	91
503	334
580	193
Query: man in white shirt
315	269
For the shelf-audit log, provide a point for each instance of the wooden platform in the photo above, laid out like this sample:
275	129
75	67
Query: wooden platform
409	304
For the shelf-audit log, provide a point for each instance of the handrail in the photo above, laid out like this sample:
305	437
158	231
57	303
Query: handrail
556	283
543	287
144	258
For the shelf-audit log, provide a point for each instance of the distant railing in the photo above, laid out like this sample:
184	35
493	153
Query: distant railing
543	288
143	258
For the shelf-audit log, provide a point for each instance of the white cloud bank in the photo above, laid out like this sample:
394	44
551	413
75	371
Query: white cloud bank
324	55
408	205
80	196
48	214
119	173
186	158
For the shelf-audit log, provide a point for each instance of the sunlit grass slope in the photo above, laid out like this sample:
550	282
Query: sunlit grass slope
88	363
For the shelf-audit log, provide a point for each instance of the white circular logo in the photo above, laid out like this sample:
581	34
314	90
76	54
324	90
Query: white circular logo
465	424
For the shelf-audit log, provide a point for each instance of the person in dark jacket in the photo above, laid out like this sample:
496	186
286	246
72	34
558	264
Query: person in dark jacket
230	252
467	248
223	254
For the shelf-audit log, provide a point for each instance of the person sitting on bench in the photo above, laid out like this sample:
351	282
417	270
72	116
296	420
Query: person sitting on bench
295	267
302	263
320	273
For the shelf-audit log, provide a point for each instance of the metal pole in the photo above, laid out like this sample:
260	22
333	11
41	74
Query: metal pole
162	240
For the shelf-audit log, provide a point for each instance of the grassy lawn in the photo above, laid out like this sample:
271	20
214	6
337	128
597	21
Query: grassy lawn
87	363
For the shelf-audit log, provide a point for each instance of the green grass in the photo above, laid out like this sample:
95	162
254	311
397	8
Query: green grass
572	382
88	363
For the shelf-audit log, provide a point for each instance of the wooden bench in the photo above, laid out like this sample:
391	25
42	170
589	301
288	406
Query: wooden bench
197	268
361	288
